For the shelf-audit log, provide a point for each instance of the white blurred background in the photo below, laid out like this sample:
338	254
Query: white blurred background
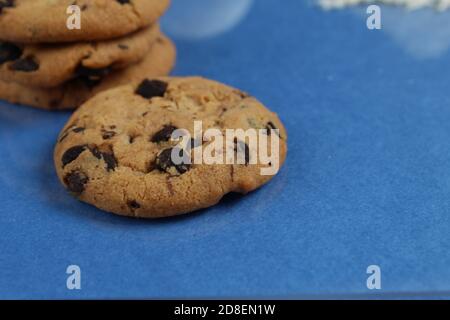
199	19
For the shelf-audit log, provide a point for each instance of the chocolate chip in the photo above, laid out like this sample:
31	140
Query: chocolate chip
91	72
72	154
69	130
27	64
91	77
241	147
6	4
133	204
132	138
123	1
78	130
111	161
242	94
164	163
123	46
108	135
95	152
9	51
152	88
164	134
107	156
76	181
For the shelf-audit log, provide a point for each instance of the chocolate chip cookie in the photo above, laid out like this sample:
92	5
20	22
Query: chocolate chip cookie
158	61
38	21
50	65
117	153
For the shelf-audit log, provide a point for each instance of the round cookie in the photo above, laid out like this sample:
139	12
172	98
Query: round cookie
37	21
159	61
115	151
50	65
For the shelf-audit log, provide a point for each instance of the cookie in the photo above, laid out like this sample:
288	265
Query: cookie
50	65
158	61
116	153
38	21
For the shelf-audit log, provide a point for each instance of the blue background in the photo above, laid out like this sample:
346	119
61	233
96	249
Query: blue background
367	179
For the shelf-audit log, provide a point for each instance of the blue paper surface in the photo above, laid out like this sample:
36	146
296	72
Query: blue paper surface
366	181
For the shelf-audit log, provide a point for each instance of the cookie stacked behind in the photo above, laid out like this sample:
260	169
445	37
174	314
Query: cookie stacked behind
46	65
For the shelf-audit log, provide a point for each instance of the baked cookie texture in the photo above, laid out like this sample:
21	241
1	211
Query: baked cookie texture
40	21
114	151
158	61
50	65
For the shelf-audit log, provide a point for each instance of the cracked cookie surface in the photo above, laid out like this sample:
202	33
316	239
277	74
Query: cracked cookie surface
158	61
114	152
37	21
50	65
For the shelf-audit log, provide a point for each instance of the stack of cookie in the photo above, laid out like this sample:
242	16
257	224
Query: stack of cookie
47	64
